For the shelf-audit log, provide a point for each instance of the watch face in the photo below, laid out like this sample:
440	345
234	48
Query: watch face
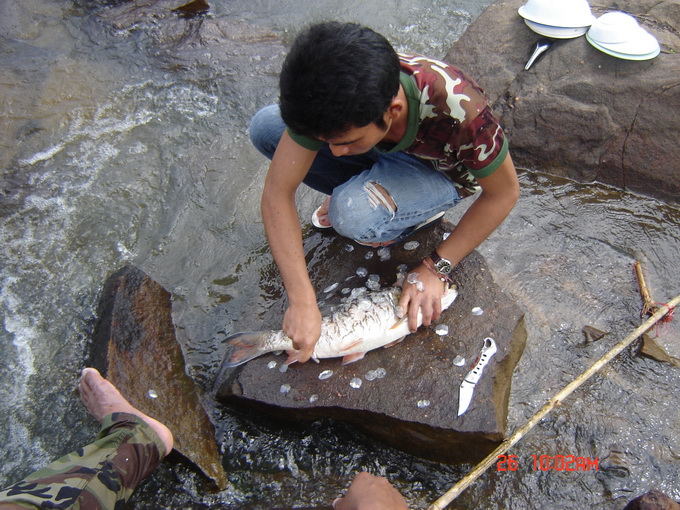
443	266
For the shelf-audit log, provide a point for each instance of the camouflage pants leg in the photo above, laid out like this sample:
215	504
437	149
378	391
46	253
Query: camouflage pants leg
100	476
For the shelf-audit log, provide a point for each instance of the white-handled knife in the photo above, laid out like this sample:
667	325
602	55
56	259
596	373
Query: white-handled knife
467	387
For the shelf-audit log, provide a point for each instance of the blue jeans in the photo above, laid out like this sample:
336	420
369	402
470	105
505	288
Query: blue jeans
357	209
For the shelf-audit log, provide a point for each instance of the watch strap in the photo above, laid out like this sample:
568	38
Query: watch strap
434	256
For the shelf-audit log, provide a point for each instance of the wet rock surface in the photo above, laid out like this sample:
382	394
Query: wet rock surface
653	500
578	112
405	395
134	346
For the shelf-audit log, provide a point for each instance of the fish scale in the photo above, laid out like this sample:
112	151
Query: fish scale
349	332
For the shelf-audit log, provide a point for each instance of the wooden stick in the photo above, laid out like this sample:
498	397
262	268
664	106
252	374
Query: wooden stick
468	479
648	306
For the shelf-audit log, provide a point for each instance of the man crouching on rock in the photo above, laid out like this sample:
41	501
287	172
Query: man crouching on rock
394	141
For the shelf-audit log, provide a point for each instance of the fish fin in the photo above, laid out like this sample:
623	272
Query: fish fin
398	340
293	357
351	358
244	347
400	322
352	344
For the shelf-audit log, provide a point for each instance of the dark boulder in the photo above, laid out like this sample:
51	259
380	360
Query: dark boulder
134	346
578	112
419	369
653	500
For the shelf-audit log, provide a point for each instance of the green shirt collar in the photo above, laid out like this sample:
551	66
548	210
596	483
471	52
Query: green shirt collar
413	98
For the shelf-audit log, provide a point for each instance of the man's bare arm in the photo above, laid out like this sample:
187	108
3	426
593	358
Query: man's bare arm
499	195
289	166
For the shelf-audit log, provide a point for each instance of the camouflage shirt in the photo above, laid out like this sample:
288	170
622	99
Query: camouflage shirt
450	123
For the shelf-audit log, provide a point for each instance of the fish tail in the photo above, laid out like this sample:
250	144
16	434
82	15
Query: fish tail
244	346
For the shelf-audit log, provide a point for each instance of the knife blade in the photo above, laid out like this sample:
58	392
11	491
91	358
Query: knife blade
467	387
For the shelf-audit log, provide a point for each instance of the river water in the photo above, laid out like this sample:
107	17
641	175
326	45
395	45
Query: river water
124	142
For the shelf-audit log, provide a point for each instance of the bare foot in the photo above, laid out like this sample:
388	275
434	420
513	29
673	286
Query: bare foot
322	213
102	398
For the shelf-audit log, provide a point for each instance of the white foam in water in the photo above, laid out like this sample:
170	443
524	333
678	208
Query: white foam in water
123	250
22	365
55	246
85	129
138	148
22	333
18	434
51	205
43	155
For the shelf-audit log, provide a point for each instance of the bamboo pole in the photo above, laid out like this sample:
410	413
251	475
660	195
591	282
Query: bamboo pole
468	479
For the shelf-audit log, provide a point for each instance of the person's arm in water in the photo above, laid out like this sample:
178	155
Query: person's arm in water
289	166
369	492
499	194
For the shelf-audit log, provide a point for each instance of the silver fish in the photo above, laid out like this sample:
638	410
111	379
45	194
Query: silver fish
360	325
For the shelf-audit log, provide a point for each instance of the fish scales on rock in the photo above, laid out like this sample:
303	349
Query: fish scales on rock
360	325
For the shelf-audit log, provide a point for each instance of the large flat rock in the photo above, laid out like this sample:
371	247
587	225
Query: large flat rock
134	346
578	112
419	369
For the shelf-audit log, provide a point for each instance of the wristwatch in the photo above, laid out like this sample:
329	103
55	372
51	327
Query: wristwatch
443	266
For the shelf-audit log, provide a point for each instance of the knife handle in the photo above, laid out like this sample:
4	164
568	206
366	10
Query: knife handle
488	350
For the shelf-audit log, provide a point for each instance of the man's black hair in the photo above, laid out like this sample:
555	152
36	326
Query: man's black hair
335	77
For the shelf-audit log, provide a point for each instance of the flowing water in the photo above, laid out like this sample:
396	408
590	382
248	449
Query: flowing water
124	142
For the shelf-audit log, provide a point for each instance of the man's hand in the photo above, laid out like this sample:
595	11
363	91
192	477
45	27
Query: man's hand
428	300
369	492
302	324
499	194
